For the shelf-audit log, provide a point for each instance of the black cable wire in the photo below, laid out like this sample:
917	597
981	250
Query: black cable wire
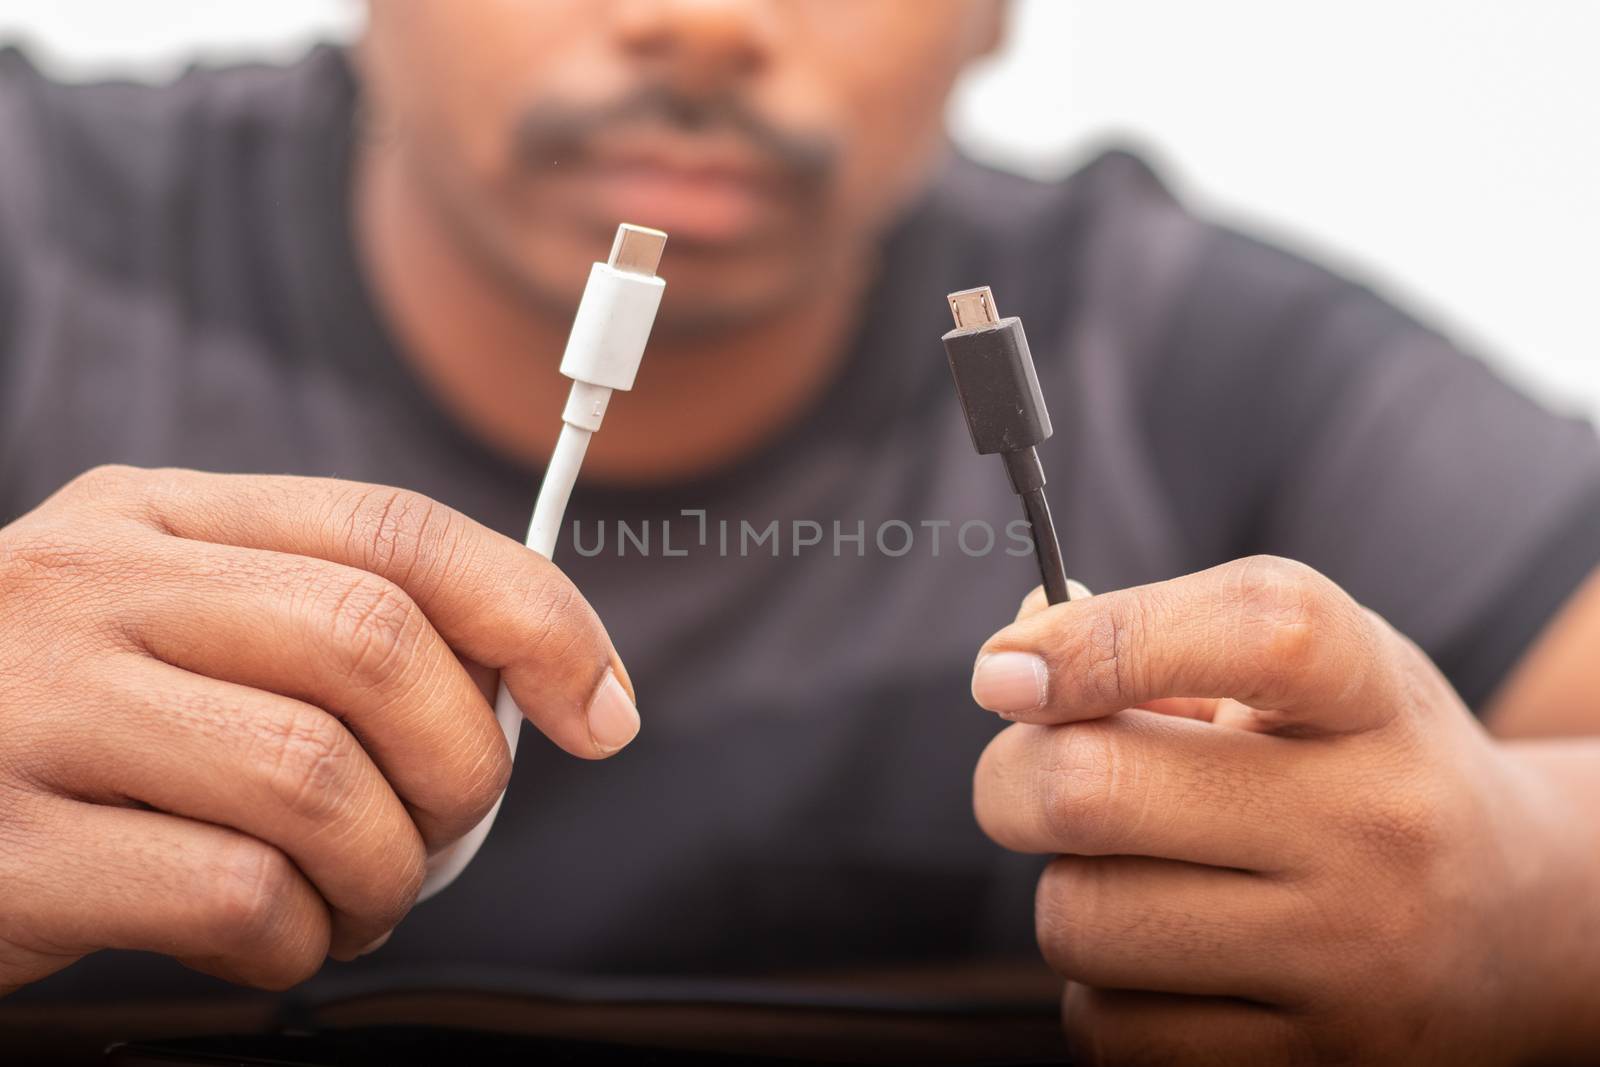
1026	474
1045	546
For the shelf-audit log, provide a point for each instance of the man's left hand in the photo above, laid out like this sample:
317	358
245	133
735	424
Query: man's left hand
1281	835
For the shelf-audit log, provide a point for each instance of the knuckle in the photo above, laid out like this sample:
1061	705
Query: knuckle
394	880
97	482
252	900
72	536
1278	591
309	767
409	874
252	885
485	783
475	789
1079	780
401	533
47	554
57	574
561	622
375	625
117	488
1108	675
1286	604
1405	827
553	601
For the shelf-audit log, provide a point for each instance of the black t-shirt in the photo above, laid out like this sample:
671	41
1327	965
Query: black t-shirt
177	286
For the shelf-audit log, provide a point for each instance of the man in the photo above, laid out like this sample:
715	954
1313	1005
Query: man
239	709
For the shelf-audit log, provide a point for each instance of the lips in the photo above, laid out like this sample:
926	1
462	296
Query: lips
711	189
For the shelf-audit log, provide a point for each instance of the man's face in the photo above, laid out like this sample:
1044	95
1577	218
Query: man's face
769	138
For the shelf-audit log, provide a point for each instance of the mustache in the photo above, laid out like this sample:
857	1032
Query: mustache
563	131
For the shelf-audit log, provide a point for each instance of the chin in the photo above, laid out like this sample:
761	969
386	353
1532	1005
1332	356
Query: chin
709	295
712	286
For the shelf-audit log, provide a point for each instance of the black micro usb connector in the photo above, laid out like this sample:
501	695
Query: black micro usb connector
1006	414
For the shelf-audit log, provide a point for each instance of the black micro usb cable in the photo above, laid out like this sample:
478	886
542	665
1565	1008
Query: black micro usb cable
1006	414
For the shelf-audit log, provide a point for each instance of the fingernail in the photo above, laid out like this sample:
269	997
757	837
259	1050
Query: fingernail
613	720
376	945
1009	682
1076	590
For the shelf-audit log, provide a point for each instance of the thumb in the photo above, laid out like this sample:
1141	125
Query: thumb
1270	634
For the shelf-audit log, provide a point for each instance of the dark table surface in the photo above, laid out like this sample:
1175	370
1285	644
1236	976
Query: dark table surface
932	1015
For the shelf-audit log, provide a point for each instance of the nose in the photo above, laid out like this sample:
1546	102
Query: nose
698	45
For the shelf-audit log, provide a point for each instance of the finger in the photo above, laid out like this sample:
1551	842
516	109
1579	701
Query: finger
1222	711
1144	784
1130	922
1032	604
1131	1028
274	768
1036	601
87	877
1202	708
494	601
343	640
1272	634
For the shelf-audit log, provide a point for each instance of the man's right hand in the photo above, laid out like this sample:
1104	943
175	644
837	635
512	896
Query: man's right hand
236	712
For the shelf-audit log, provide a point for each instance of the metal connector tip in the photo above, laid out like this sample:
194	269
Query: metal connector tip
637	249
973	307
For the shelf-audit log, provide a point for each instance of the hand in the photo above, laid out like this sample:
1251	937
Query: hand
1296	846
236	712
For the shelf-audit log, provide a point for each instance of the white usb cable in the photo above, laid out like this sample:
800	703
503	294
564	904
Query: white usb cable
603	353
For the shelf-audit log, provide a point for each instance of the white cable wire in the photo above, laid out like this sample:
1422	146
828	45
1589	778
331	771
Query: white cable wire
556	488
603	353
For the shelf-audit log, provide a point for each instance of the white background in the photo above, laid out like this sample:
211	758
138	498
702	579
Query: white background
1448	151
